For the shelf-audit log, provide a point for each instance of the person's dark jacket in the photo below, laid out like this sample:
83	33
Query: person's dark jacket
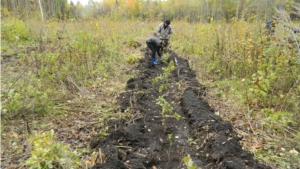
155	43
270	26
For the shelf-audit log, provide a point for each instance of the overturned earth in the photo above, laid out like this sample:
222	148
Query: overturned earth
151	139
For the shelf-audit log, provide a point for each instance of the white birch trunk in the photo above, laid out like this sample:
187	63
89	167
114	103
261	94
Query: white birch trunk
41	9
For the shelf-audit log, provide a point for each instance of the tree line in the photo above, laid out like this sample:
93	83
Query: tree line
191	10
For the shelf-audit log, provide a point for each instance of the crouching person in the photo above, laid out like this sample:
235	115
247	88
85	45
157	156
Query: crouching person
155	44
270	26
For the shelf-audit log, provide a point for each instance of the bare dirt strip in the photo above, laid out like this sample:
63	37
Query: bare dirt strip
149	140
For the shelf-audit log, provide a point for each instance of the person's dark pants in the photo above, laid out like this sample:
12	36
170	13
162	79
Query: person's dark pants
152	48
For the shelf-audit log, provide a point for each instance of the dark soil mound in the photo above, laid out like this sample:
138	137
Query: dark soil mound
150	140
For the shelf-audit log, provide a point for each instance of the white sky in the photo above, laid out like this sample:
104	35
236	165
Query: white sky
82	2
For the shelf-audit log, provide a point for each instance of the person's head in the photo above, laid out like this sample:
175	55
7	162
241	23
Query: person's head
167	22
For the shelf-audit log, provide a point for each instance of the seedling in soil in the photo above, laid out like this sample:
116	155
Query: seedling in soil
170	68
105	117
163	78
157	79
170	136
140	92
165	59
176	116
179	85
192	142
188	162
104	133
163	87
83	151
127	111
166	107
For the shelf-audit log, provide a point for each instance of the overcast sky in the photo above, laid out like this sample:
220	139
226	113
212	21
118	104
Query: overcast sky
83	2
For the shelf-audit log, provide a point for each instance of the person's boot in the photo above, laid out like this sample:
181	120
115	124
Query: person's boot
153	60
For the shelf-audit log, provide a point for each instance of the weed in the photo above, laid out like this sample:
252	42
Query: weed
131	42
103	133
47	153
132	59
188	162
279	157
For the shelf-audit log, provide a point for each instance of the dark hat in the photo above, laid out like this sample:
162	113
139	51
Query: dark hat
167	22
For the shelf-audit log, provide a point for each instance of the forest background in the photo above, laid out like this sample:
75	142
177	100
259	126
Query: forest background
58	59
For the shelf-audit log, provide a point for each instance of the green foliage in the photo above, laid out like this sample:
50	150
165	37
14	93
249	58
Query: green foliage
14	30
269	71
133	59
278	119
47	153
166	107
247	67
152	10
176	116
163	87
140	92
131	42
14	102
66	65
6	48
260	88
157	79
170	136
188	162
192	142
163	78
170	68
284	159
103	133
5	12
230	52
28	95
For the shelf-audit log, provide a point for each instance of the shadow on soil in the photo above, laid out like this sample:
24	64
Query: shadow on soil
149	140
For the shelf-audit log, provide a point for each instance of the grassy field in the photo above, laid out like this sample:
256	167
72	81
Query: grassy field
53	71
